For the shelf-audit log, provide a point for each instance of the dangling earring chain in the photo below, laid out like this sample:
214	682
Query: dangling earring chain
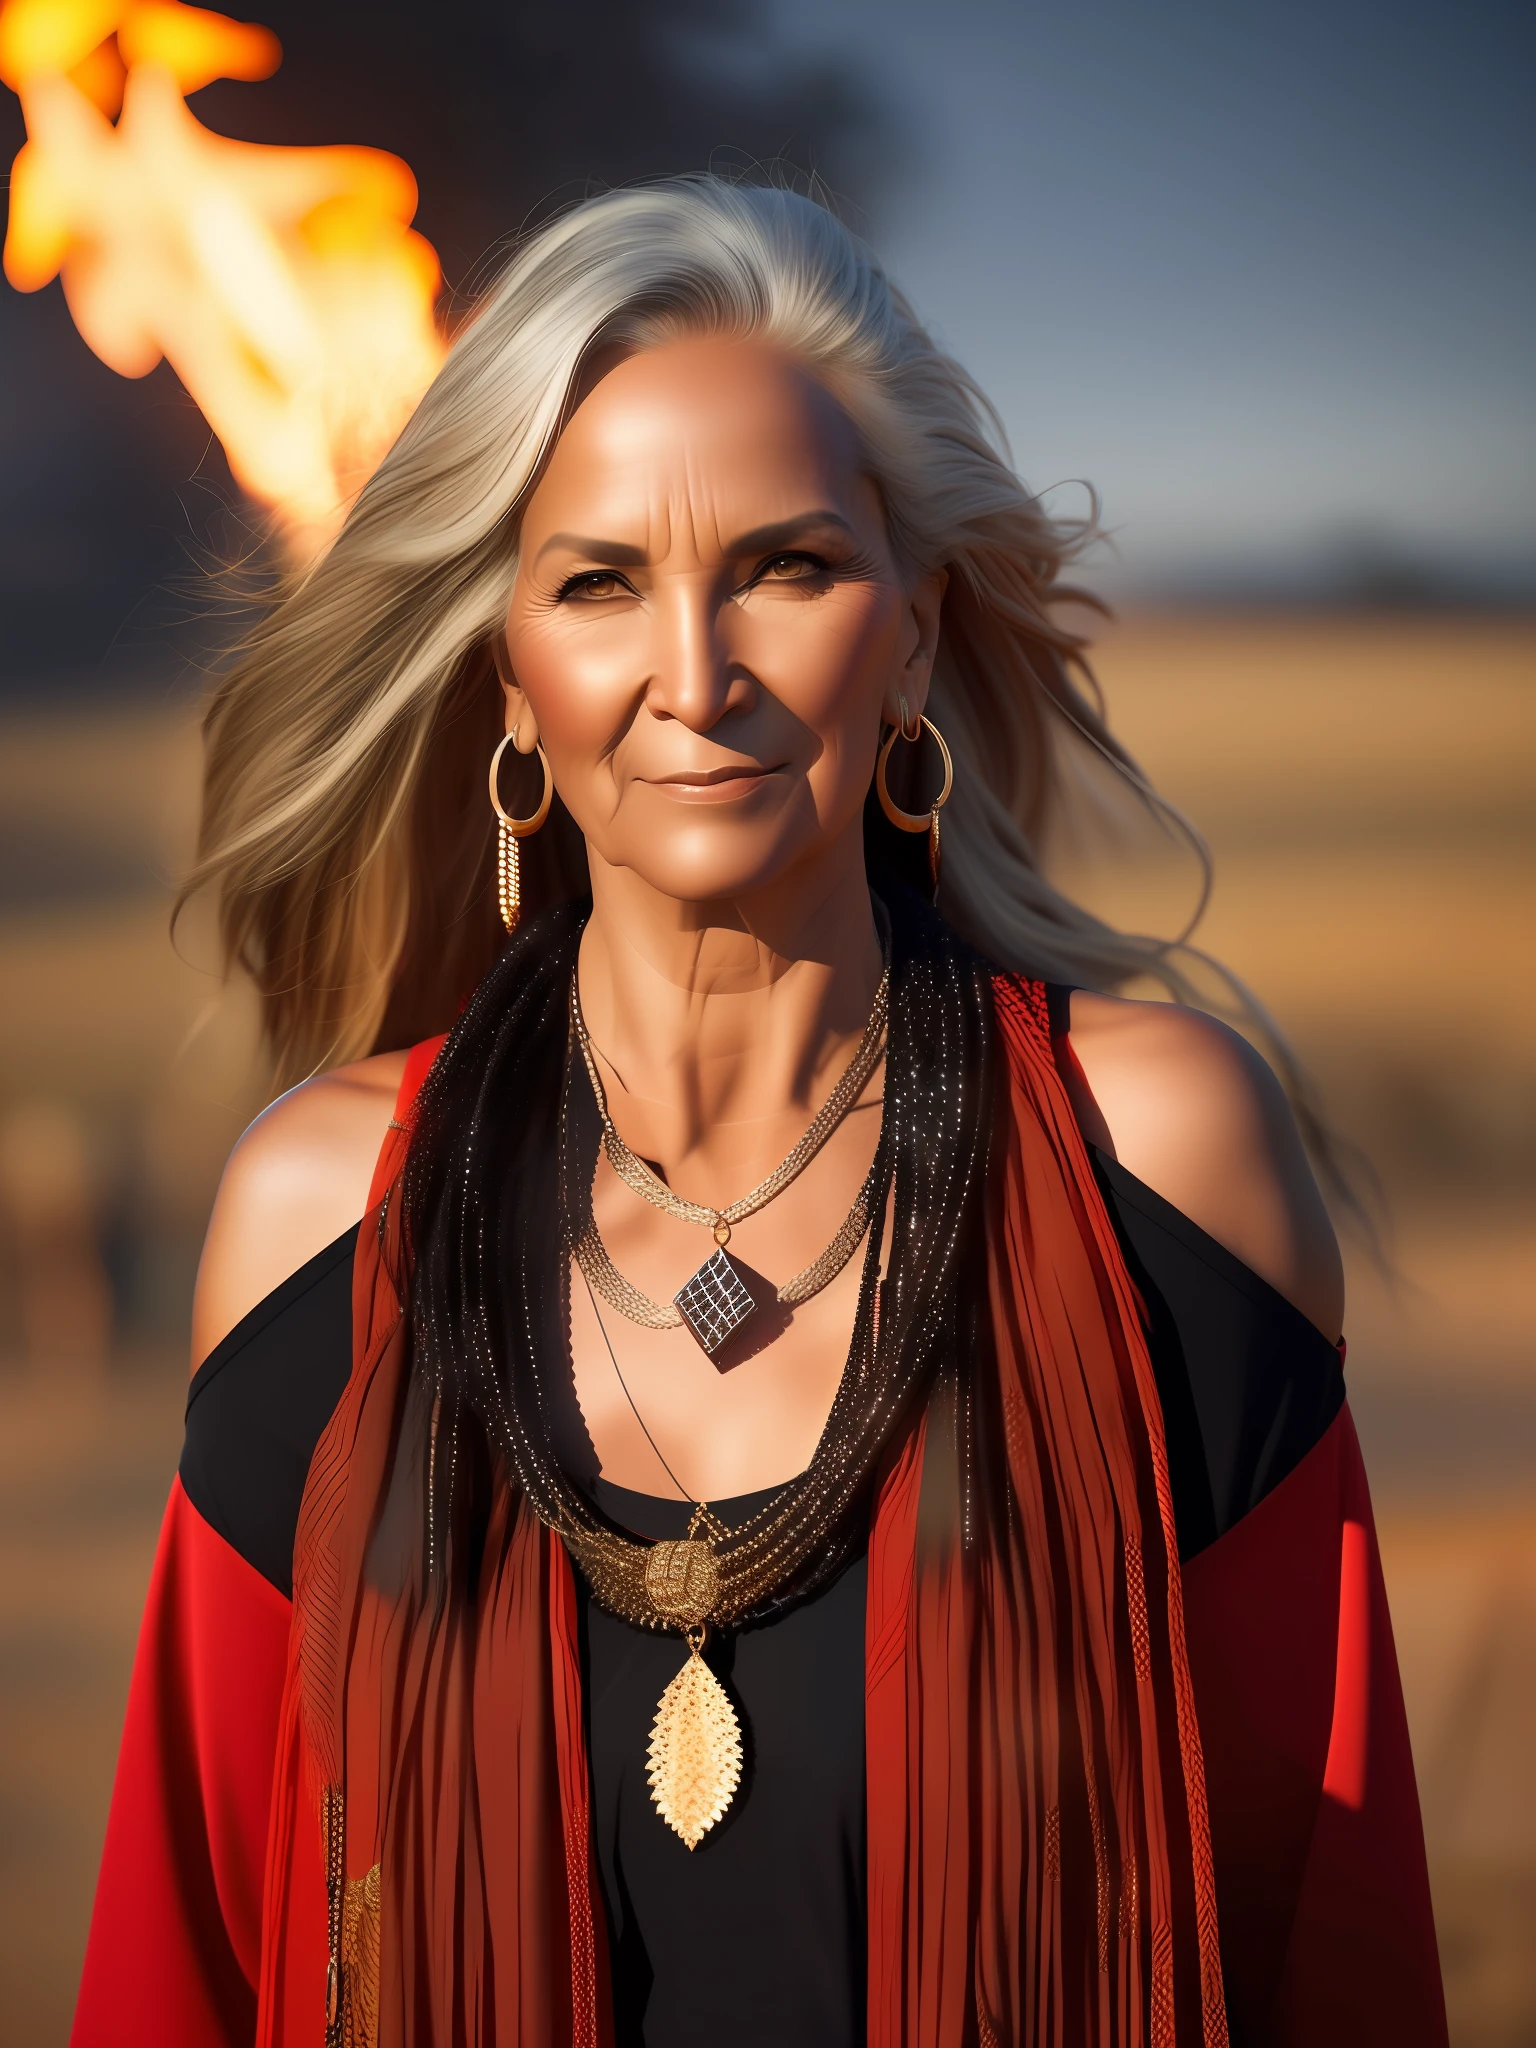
913	821
509	881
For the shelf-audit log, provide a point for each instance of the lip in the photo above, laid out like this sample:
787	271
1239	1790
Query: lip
712	785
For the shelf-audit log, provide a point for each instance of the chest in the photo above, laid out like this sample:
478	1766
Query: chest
663	1412
666	1417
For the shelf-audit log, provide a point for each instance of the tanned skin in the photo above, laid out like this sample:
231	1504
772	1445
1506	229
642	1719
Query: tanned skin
707	629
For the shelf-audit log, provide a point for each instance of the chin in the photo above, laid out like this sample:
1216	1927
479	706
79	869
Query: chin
715	865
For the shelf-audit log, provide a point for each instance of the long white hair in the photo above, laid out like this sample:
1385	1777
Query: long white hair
344	824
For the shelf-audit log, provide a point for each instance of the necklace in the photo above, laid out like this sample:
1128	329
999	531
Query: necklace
715	1302
908	1329
693	1761
712	1575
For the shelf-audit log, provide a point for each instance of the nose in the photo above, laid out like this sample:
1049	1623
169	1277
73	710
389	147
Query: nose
694	677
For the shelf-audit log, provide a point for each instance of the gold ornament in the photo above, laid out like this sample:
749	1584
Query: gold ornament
360	1960
694	1763
509	880
694	1759
352	1923
683	1580
911	730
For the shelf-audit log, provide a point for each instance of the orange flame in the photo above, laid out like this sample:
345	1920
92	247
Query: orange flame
285	287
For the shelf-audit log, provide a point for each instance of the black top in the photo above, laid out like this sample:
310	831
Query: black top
258	1403
764	1921
757	1936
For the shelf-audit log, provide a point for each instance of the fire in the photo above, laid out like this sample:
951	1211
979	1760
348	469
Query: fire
285	287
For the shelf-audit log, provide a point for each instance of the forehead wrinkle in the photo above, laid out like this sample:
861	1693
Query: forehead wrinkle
666	458
683	513
700	496
718	517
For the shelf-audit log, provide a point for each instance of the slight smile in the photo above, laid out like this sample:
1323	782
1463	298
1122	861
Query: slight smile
712	785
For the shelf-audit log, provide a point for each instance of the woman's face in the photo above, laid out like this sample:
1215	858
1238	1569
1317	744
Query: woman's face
708	625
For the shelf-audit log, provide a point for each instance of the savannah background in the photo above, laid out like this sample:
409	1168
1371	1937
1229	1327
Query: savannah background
1267	282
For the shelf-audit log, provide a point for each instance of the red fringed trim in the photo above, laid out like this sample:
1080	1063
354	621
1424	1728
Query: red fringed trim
1023	1006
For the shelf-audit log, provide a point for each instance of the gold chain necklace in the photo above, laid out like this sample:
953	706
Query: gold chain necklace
693	1760
712	1575
715	1302
708	1304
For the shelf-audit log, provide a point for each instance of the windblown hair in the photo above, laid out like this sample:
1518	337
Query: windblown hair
345	827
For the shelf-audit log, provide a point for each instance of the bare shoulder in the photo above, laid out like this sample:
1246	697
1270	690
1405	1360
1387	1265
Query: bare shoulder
1189	1107
297	1179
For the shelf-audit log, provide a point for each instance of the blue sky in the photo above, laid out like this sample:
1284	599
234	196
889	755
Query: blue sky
1264	274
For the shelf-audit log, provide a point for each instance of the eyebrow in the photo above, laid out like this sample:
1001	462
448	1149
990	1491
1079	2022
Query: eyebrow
762	540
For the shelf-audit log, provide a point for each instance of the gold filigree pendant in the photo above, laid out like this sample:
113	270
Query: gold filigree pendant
683	1579
695	1755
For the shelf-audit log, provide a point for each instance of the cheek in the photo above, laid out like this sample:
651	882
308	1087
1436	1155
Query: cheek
827	659
576	675
830	661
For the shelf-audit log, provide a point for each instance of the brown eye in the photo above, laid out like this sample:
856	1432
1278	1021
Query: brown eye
792	568
596	583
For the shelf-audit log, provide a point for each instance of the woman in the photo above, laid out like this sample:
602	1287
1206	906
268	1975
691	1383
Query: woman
816	1501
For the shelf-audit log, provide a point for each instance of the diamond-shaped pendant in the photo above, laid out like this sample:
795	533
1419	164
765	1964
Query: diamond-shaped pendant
715	1302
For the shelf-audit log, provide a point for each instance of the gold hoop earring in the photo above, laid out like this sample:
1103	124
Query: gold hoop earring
915	821
509	881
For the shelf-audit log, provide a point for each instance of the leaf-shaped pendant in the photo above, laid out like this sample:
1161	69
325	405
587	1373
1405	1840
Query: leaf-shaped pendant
695	1754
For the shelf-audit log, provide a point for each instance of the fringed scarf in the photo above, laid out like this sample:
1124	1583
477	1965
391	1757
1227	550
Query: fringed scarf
1039	1862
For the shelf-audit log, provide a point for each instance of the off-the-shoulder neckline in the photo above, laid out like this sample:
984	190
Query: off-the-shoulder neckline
272	1305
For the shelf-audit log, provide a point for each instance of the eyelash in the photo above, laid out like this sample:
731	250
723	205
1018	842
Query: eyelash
583	579
817	564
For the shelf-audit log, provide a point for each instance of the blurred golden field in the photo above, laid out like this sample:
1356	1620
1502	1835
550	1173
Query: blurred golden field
1368	787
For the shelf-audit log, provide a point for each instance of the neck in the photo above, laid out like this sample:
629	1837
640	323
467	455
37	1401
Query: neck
730	1013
